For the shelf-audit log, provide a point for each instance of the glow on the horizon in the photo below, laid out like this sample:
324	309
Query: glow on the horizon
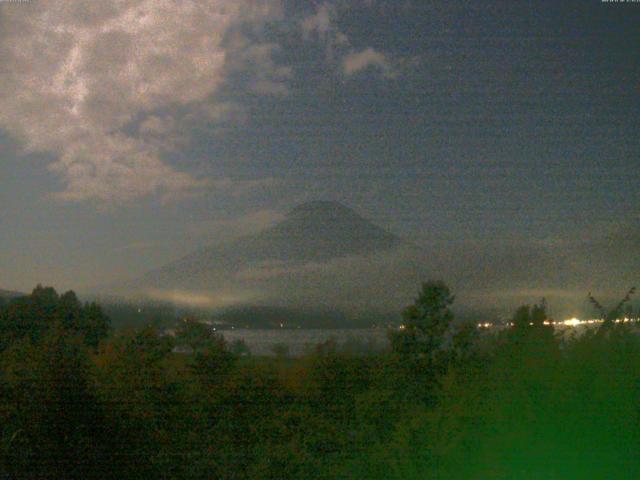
572	322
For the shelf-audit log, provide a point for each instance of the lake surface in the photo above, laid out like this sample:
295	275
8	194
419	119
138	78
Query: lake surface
303	341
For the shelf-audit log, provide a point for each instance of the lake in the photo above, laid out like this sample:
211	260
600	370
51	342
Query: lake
302	341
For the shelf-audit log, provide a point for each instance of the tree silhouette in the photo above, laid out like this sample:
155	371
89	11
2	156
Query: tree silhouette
426	321
522	317
608	317
527	317
539	313
194	334
33	316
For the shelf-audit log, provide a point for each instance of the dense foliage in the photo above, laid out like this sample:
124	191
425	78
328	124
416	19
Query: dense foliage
445	402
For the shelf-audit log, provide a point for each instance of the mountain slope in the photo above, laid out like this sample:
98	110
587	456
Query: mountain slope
315	232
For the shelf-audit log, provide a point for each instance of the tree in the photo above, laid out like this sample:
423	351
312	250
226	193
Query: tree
131	380
426	321
522	317
213	360
539	313
93	324
53	424
240	348
527	317
464	340
33	316
608	317
194	334
280	350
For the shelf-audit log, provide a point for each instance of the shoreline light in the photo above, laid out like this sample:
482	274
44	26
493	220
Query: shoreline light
572	322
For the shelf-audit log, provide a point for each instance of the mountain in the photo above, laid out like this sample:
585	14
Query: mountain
316	232
297	262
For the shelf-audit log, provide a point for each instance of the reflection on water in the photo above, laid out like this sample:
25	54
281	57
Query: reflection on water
302	341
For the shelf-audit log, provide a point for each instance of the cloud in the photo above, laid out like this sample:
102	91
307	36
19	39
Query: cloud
356	62
322	25
497	275
273	269
78	77
380	282
320	22
219	299
268	77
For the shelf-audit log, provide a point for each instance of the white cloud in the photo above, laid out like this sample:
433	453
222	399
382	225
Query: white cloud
320	22
356	62
76	75
322	25
268	77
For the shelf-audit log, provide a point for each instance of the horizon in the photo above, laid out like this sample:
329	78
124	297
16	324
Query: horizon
473	302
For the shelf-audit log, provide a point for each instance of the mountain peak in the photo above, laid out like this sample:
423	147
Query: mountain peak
320	207
313	232
323	229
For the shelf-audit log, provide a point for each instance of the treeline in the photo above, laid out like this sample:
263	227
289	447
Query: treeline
80	401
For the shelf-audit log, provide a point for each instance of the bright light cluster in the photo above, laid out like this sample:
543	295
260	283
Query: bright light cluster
571	322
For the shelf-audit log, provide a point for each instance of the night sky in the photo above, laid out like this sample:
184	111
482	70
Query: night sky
135	131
